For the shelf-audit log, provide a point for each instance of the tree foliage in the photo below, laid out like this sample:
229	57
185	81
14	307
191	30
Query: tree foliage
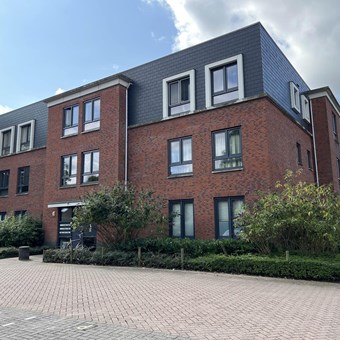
119	212
21	231
299	216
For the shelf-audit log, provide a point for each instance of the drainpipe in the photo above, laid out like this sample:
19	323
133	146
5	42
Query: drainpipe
126	138
314	145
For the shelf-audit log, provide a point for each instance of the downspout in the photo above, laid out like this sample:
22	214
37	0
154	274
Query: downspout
314	145
126	137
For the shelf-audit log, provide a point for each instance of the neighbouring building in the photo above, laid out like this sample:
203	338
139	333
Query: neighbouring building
205	128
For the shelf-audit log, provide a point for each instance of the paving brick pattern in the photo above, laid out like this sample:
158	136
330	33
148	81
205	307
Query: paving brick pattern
159	304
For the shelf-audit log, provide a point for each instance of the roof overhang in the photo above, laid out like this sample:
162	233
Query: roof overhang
93	87
325	92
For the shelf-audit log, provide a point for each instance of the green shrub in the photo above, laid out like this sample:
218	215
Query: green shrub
192	248
299	217
24	231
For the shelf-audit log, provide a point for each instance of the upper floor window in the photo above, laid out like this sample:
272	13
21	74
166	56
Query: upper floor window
180	156
90	171
182	218
305	108
298	153
2	215
334	125
227	209
224	81
20	213
4	182
294	97
7	141
227	149
92	114
23	180
179	94
69	170
71	116
309	160
25	136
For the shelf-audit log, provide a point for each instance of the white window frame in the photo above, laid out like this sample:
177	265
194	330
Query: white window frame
32	123
305	108
208	93
12	129
294	97
166	81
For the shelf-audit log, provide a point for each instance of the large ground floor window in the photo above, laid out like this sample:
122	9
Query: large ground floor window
181	214
226	211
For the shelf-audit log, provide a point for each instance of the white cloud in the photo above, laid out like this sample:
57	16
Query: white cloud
59	91
4	109
156	38
307	31
115	67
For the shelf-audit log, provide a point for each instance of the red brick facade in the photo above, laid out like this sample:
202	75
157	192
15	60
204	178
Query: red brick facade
268	149
327	149
32	201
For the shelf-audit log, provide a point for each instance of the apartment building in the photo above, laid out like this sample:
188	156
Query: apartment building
204	128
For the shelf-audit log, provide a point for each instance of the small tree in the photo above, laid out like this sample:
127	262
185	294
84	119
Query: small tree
119	212
299	217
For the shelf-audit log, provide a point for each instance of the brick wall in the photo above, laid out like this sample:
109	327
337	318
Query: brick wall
263	127
109	140
33	200
327	144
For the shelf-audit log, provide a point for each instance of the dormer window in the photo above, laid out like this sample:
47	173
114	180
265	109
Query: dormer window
7	141
305	108
179	94
25	136
294	97
224	81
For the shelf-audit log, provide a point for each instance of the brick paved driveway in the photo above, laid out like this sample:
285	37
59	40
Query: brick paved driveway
55	301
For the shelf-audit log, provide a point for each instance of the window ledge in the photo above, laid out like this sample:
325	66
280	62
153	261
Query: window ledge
178	115
71	135
67	186
88	131
226	170
22	194
4	196
88	184
180	175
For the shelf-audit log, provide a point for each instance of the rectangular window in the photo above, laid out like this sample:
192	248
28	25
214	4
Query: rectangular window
4	182
2	215
25	136
224	81
334	125
294	97
298	153
92	115
69	170
180	156
227	149
71	116
23	180
7	141
305	108
90	171
309	160
182	218
338	164
179	94
227	209
20	213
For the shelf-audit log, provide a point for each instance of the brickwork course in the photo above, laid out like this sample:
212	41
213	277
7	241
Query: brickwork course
56	301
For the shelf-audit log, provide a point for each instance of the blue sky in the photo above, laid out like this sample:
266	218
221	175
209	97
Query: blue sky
54	45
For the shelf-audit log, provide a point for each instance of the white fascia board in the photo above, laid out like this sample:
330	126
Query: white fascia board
64	204
88	91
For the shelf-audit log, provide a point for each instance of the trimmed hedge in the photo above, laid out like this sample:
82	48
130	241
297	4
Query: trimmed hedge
14	252
192	248
297	268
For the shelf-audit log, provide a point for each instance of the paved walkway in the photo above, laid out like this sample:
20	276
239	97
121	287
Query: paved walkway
56	301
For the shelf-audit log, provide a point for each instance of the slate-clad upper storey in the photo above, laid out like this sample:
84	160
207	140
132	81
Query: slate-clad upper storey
37	112
266	70
145	95
278	72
